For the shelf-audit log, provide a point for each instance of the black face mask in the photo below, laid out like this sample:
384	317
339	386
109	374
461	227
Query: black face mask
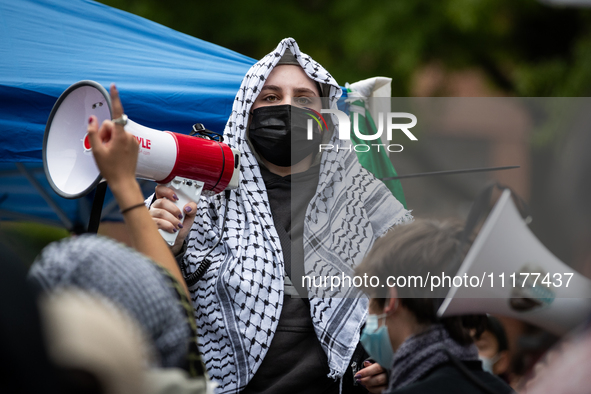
279	134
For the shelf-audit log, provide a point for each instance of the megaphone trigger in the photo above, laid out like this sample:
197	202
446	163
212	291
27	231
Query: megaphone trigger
187	190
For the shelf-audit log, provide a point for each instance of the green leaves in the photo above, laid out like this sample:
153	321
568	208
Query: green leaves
523	47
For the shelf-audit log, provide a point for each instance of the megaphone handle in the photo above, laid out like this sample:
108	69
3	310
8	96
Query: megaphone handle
187	190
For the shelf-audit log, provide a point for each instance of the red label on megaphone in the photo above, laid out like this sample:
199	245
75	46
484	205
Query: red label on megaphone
165	155
144	143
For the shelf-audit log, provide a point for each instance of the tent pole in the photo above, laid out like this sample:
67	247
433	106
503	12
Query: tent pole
97	207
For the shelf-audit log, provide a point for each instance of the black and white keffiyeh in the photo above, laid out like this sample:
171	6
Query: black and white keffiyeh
239	299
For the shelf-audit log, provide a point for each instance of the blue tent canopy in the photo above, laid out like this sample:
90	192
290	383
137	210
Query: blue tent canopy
167	80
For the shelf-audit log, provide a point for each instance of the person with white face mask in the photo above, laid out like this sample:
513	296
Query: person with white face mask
424	354
256	335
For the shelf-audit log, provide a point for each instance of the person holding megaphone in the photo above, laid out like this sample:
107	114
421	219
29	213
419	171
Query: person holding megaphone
261	328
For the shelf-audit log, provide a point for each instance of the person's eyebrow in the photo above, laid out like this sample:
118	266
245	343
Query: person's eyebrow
272	87
304	90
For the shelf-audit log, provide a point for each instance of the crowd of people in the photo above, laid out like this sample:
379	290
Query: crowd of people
96	316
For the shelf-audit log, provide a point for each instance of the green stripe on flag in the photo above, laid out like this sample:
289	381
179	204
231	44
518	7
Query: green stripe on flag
375	161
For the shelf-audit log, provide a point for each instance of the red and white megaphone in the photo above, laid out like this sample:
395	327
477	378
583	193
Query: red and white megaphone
189	164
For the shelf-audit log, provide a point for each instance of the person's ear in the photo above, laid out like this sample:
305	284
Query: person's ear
392	302
502	364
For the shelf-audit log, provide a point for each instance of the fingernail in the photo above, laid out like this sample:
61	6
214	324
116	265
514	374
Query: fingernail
188	209
174	230
180	225
357	377
176	198
180	215
90	120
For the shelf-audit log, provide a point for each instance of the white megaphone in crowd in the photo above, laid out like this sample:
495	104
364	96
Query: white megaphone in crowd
521	278
188	164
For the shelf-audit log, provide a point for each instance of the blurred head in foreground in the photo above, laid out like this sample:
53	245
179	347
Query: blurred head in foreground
97	348
124	280
403	332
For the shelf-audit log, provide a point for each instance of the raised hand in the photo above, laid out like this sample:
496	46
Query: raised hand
115	150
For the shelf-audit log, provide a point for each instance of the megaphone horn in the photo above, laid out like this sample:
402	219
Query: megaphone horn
520	277
189	164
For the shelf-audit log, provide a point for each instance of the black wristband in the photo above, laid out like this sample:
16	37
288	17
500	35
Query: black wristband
132	207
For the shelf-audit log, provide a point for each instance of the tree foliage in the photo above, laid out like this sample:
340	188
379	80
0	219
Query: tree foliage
524	47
